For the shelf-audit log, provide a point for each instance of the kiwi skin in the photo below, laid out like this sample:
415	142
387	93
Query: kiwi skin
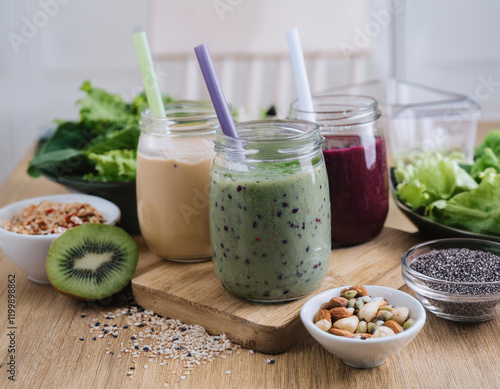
74	296
98	230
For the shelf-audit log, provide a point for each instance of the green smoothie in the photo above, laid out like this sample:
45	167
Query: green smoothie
270	230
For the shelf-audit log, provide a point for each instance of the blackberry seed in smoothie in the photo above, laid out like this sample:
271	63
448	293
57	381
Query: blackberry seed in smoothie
270	220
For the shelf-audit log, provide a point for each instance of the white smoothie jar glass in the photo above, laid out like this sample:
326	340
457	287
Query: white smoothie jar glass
173	180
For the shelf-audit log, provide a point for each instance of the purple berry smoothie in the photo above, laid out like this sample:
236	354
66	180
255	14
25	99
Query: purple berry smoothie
358	184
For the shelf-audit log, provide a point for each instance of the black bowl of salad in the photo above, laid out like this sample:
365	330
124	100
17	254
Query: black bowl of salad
444	197
97	154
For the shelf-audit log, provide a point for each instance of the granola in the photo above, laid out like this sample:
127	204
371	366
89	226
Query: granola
52	218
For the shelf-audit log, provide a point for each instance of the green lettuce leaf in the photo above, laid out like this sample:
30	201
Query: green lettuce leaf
114	165
140	103
118	140
429	178
477	210
62	152
85	148
487	159
492	141
99	108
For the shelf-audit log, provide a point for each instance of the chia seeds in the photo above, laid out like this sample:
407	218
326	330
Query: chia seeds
465	266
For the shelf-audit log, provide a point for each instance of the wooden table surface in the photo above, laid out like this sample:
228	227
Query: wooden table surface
49	355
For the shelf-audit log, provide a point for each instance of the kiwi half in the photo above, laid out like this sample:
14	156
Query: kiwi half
92	261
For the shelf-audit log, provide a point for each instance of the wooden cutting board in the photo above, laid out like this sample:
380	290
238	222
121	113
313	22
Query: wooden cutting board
193	294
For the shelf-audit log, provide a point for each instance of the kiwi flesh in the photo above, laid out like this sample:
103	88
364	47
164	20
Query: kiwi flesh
92	261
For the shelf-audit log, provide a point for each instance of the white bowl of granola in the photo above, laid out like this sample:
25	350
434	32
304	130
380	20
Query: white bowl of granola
371	350
28	227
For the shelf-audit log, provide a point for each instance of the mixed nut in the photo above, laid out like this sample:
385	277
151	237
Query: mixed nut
355	314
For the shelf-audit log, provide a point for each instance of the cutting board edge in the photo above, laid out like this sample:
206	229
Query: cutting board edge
176	299
270	339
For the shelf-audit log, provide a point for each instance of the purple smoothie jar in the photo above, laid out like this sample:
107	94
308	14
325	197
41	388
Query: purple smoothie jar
355	157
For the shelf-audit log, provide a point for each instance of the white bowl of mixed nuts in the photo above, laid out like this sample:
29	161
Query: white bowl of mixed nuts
363	325
28	227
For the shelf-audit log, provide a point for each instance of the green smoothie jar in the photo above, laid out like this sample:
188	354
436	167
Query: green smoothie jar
270	211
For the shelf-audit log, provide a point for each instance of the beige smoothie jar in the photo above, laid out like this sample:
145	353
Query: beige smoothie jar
173	180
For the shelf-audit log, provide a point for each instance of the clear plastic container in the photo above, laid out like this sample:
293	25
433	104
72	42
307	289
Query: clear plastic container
419	117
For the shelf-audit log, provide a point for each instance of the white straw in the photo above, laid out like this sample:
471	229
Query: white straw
299	70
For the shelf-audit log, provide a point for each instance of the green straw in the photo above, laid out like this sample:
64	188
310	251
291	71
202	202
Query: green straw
148	73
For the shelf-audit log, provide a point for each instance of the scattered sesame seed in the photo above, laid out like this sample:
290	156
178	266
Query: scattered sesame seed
164	339
84	315
270	361
228	372
82	339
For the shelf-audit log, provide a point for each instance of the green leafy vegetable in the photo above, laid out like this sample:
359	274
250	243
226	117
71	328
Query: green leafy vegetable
492	141
487	159
431	177
101	146
477	210
114	165
99	108
127	138
447	192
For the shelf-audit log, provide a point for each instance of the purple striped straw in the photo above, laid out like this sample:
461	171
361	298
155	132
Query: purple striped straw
215	90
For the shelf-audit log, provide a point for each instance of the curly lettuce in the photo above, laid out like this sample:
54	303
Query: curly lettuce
477	210
101	146
114	165
431	177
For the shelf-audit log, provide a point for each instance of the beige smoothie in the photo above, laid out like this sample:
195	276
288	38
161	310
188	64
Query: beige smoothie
173	189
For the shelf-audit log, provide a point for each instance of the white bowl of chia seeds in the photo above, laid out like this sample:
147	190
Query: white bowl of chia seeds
456	279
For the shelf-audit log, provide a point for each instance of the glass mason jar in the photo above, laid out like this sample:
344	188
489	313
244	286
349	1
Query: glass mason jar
269	210
356	163
173	180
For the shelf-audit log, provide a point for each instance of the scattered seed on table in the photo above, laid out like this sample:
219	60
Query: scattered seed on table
170	339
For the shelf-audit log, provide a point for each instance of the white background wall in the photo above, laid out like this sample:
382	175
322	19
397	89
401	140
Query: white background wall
448	44
91	39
